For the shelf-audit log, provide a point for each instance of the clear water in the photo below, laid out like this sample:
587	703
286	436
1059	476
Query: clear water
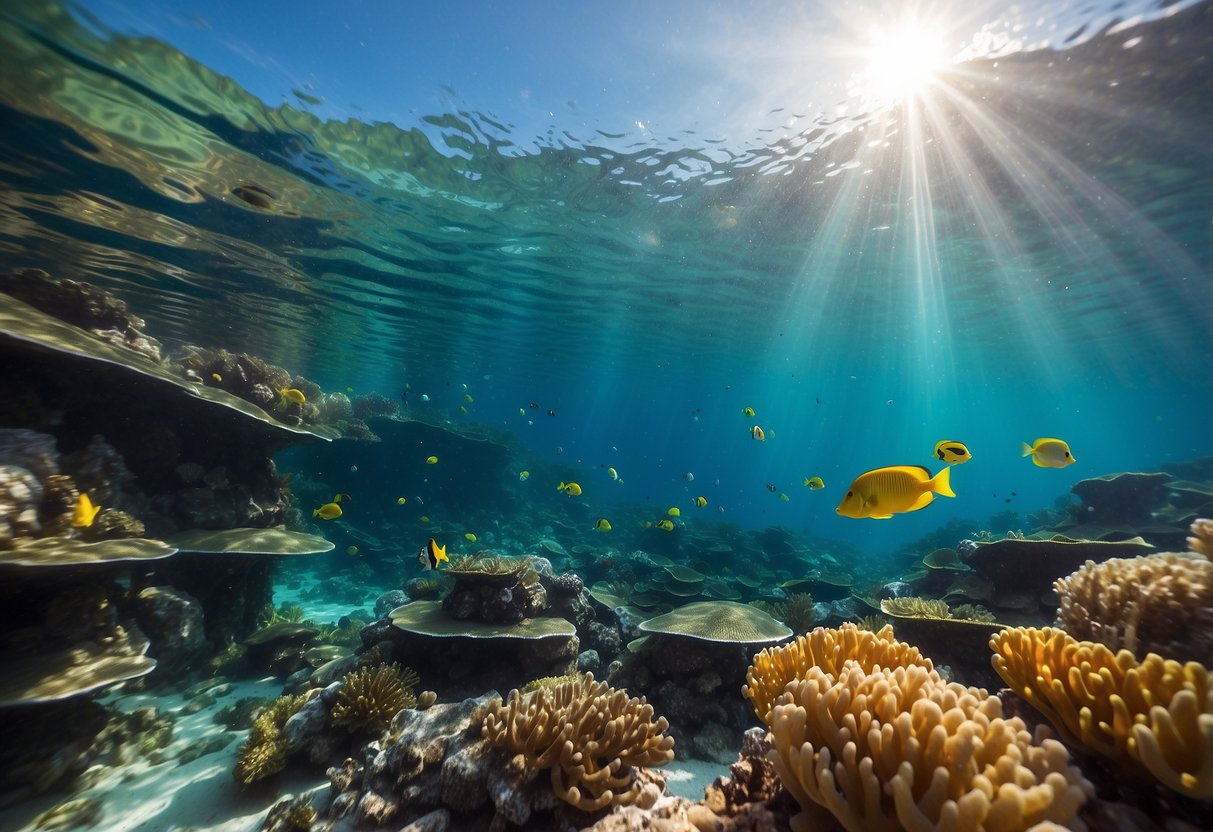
1023	250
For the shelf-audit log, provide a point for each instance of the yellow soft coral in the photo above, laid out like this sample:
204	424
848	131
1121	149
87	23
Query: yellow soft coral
589	735
898	748
371	696
1156	712
826	648
264	752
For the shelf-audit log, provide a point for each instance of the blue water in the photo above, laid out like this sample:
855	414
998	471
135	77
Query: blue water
1021	252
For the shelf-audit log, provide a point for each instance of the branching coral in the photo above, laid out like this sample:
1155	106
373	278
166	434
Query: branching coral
371	696
589	735
1157	712
264	752
1154	604
899	748
827	649
915	607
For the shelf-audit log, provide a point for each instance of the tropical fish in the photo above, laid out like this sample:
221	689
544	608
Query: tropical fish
689	477
614	474
218	378
351	550
701	501
666	525
328	511
570	488
84	513
772	487
602	524
784	497
471	538
425	519
748	412
521	412
467	397
291	394
342	497
349	389
425	397
814	483
462	409
952	452
896	489
757	433
523	476
431	460
432	554
674	511
400	501
1049	453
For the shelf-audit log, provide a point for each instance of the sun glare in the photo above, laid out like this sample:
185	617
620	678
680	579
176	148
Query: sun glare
902	62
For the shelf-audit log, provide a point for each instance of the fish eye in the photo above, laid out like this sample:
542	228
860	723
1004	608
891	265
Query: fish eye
850	493
1067	453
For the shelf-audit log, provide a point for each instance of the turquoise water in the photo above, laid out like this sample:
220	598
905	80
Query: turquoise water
1021	251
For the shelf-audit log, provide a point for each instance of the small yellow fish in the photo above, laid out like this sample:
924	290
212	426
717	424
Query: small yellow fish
1049	453
425	519
614	474
469	537
666	525
432	554
84	513
342	497
896	489
349	389
328	511
748	412
431	460
570	488
467	397
351	550
522	411
523	476
757	433
462	409
952	452
602	524
400	501
292	394
784	497
218	378
701	501
674	511
814	483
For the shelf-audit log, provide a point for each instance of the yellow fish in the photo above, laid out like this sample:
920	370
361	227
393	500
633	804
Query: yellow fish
425	519
614	474
523	476
467	397
756	433
701	501
570	488
462	409
603	525
1049	453
84	513
814	483
666	525
291	394
328	511
748	412
784	497
431	460
952	452
400	501
896	489
432	554
521	411
471	538
351	550
674	511
342	497
349	389
218	378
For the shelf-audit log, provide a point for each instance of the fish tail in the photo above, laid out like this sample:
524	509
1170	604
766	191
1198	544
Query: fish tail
560	487
1025	449
941	483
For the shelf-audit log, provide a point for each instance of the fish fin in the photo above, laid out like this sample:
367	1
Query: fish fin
1025	449
880	516
924	500
941	483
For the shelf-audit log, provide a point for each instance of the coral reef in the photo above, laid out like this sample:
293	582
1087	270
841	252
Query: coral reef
1154	604
265	751
893	748
1201	540
796	611
1156	712
494	589
588	735
371	696
915	607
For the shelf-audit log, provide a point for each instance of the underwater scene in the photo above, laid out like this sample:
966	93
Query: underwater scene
636	416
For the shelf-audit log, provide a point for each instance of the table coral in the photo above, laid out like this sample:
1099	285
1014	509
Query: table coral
589	735
1157	712
827	649
898	748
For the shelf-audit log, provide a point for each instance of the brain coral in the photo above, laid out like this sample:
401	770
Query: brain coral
898	748
1157	712
1153	604
589	735
827	649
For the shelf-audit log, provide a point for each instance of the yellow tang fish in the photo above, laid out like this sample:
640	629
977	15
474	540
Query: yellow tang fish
328	511
701	501
784	497
814	483
432	554
602	524
523	476
570	488
1049	453
462	409
952	452
467	397
292	394
218	378
748	412
614	474
425	519
674	512
897	489
84	513
431	460
400	501
471	538
342	497
351	389
666	525
756	433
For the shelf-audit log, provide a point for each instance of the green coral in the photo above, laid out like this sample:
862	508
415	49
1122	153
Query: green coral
371	696
915	607
264	752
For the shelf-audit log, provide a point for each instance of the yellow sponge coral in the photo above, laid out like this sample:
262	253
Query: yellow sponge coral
826	648
1156	712
589	735
898	748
